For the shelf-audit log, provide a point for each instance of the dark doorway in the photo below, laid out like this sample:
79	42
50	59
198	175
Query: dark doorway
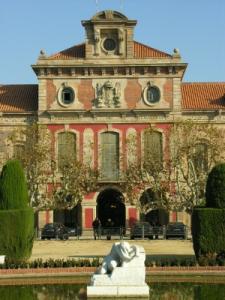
71	218
157	217
110	205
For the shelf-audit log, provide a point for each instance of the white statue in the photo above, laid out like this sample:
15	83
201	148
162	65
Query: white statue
120	254
122	273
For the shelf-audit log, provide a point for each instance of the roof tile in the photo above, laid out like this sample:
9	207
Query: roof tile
143	51
77	51
204	95
140	51
19	98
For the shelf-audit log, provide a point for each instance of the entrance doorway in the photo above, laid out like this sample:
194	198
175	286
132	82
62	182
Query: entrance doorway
71	218
110	205
157	217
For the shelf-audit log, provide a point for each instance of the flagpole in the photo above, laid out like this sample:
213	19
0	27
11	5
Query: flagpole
121	5
96	2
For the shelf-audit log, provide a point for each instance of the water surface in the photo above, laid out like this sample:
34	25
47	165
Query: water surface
158	291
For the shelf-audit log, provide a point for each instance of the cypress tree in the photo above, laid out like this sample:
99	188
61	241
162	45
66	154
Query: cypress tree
13	187
17	218
215	187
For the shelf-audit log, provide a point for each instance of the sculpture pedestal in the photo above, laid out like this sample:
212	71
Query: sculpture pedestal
126	281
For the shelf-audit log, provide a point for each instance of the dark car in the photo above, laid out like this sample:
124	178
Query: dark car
176	230
141	230
74	231
54	231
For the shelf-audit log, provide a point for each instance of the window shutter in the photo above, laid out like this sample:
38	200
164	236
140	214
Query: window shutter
110	156
153	146
66	147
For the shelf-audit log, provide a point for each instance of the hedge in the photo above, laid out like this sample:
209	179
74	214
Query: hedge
208	231
13	186
215	187
16	233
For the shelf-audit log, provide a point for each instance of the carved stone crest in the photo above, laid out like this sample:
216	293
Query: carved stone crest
108	95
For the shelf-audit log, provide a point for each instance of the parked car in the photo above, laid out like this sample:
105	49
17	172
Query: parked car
140	230
54	231
176	229
74	231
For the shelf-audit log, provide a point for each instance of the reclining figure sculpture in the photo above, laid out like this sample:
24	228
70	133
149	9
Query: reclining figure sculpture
122	273
120	254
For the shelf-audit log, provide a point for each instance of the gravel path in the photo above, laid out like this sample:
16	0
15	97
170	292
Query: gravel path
80	248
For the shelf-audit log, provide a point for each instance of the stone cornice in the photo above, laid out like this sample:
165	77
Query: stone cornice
100	116
108	62
125	71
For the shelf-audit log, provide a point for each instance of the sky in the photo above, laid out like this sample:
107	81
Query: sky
195	27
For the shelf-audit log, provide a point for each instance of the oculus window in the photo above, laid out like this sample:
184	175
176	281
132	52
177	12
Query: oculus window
66	96
151	95
109	44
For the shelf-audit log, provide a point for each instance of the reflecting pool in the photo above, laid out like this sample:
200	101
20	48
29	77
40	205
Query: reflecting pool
158	291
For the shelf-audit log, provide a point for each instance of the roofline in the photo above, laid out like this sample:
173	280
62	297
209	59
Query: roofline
18	113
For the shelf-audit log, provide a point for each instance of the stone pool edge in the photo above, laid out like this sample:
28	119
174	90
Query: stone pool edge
86	271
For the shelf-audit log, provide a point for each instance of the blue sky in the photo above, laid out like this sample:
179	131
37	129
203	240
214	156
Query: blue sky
196	27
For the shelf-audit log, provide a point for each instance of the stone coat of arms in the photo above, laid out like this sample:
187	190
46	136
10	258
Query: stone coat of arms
108	95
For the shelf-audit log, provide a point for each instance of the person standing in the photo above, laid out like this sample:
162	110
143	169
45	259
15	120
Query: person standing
96	228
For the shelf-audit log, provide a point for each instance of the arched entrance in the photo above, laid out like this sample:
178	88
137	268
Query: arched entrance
110	205
156	216
71	218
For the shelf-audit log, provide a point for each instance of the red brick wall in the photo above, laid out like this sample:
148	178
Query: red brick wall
51	92
132	93
132	215
86	93
168	91
88	212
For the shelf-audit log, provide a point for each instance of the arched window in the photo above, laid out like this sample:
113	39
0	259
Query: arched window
66	148
200	157
109	156
153	147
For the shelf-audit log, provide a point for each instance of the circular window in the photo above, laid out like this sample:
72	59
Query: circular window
109	44
152	95
67	96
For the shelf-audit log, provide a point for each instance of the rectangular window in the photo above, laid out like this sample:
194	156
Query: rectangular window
66	148
153	147
110	156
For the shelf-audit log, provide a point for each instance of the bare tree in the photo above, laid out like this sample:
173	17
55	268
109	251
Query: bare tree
32	145
72	182
146	180
195	149
51	184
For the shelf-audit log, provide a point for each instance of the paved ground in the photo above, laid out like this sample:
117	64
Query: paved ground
81	248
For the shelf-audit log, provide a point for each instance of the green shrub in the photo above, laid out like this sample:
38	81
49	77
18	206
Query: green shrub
50	263
16	233
13	187
215	187
208	232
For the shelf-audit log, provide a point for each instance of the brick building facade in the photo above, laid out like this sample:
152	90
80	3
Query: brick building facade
101	91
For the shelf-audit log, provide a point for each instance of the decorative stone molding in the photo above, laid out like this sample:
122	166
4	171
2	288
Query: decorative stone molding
151	94
60	99
108	95
97	41
121	41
